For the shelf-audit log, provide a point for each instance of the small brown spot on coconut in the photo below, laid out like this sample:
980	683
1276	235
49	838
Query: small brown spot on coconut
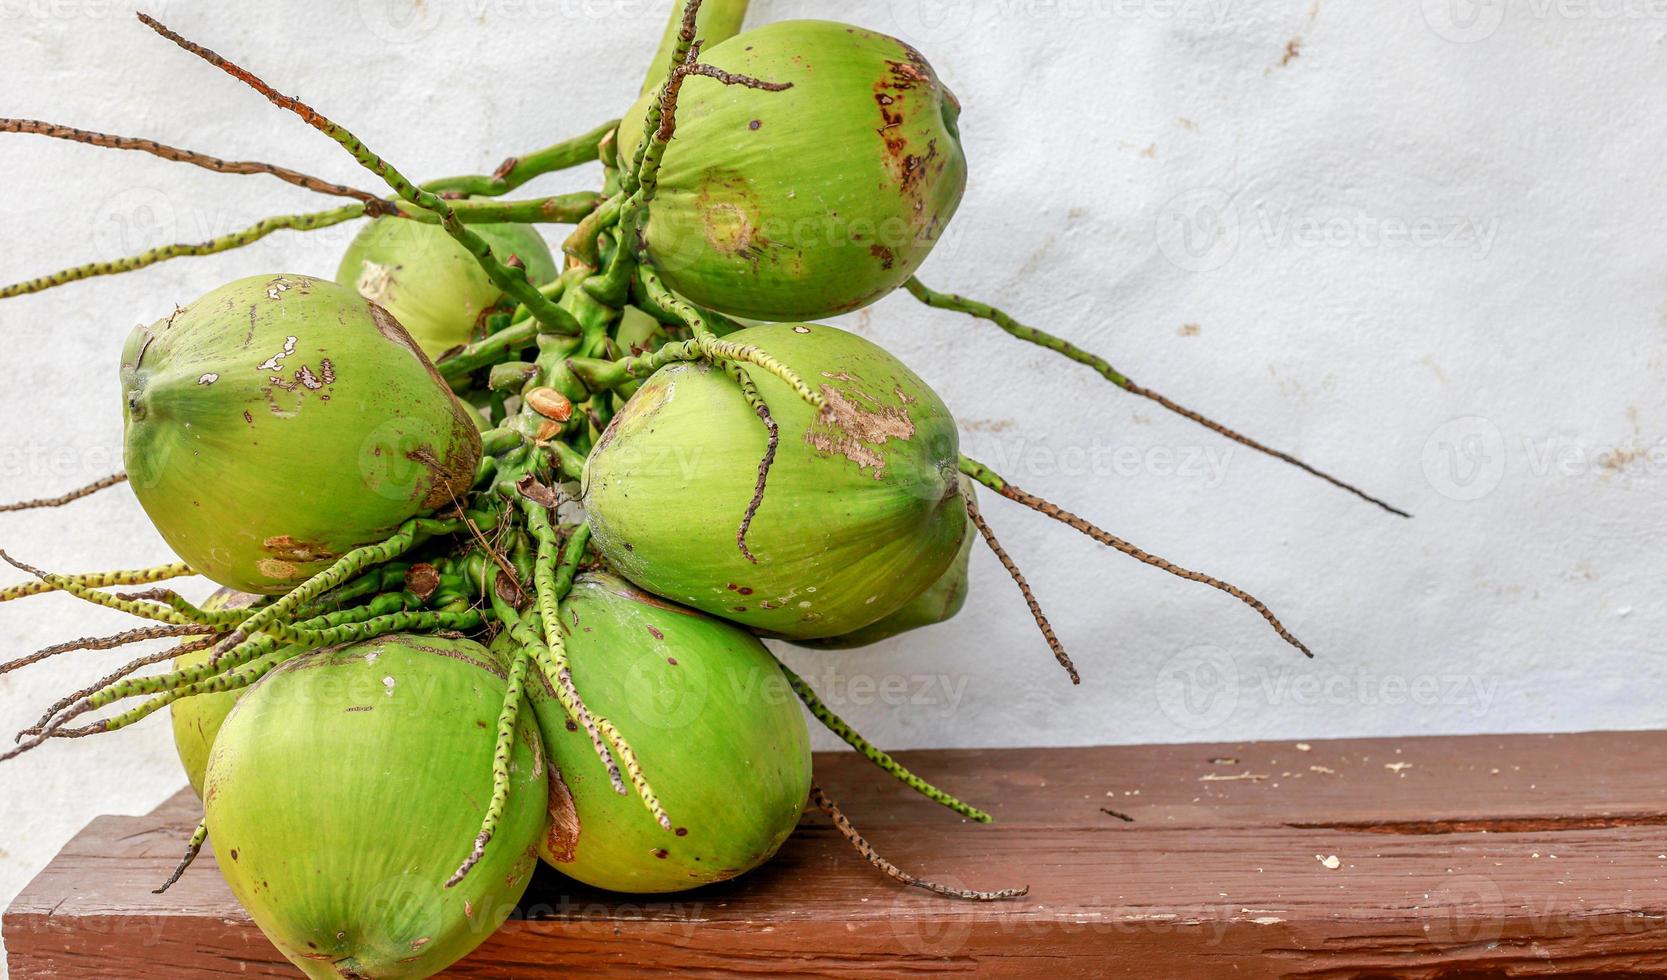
654	632
672	661
755	124
661	853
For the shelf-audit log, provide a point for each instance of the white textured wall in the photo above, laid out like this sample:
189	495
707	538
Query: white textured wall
1419	243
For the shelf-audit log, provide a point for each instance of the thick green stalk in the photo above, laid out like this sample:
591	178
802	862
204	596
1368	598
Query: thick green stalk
562	209
515	171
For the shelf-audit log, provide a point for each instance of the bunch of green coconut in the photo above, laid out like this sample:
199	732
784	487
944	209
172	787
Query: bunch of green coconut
501	531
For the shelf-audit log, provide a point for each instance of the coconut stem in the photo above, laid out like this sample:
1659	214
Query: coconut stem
224	243
508	718
263	663
511	280
373	204
552	662
562	209
541	635
840	727
773	440
96	580
983	311
191	611
271	618
323	630
843	825
1042	623
705	345
983	474
74	495
192	849
517	170
65	583
118	674
103	643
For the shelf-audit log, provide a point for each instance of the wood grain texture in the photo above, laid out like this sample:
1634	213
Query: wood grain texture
1475	858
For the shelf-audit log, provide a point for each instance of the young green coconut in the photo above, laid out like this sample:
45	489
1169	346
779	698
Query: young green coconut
938	604
345	787
281	421
815	196
197	720
432	285
861	511
709	715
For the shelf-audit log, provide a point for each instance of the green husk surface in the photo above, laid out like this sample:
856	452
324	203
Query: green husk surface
810	202
861	513
345	788
280	421
713	723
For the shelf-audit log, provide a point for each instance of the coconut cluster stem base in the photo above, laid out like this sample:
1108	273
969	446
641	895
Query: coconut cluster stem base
1218	865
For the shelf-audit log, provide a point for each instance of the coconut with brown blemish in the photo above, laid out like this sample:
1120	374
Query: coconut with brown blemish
325	429
713	723
812	201
860	514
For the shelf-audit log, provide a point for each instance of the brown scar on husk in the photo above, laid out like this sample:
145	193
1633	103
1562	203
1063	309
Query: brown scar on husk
562	839
286	548
847	428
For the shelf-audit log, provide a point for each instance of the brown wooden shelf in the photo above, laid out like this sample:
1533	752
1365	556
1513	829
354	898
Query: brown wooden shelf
1477	857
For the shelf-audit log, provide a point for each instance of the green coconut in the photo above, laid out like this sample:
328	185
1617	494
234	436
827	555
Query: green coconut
714	724
809	202
939	603
197	719
348	785
281	421
431	284
861	513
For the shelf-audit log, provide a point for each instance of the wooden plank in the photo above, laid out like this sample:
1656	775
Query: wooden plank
1481	856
